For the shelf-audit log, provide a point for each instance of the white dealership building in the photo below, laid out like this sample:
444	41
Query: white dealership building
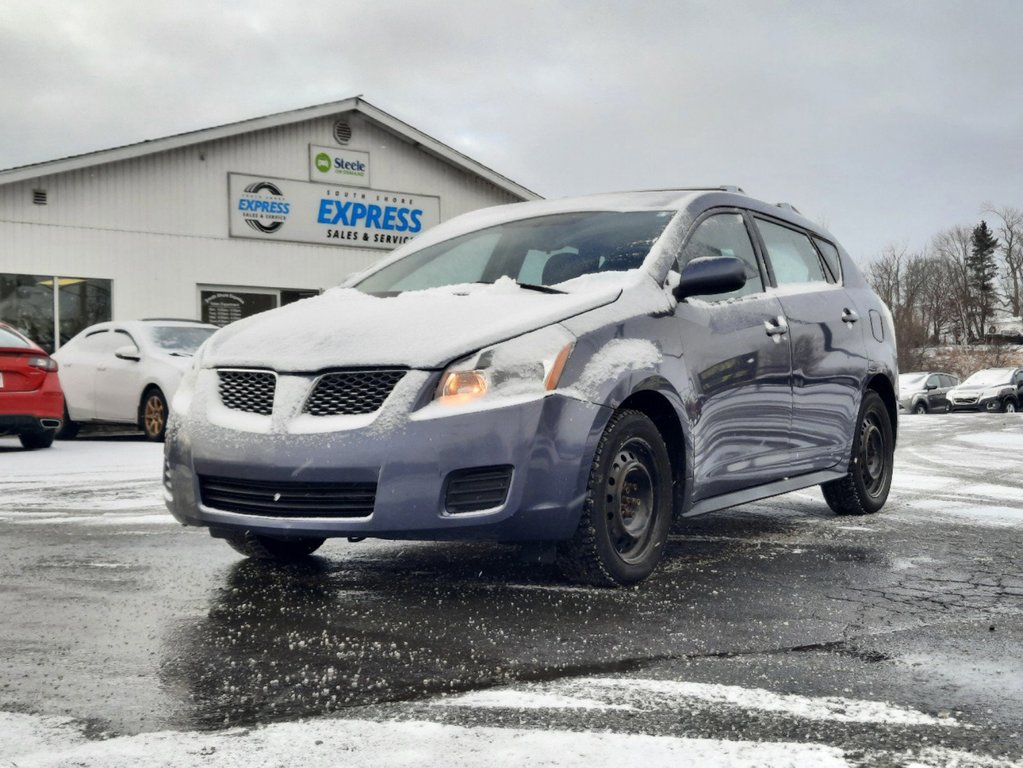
223	222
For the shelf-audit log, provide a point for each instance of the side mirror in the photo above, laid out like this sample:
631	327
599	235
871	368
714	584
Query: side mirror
127	352
710	275
931	386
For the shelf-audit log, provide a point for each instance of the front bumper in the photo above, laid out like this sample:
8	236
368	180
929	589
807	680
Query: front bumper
548	442
970	403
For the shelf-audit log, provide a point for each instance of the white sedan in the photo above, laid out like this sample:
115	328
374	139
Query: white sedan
126	372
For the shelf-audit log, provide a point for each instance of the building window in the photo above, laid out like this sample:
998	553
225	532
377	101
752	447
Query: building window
51	309
223	305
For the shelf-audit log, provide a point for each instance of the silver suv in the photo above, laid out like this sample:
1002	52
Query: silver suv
925	392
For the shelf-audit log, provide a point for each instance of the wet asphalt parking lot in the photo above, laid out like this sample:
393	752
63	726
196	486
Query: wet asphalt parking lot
895	639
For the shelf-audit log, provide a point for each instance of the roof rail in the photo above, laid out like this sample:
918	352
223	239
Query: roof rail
732	188
788	207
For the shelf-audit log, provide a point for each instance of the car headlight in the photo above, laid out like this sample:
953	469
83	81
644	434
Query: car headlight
993	392
529	364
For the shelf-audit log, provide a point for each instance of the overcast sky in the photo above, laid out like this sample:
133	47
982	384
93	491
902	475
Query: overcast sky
886	121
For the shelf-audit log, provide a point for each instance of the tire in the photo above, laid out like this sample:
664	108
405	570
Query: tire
1009	406
948	407
627	511
68	429
920	409
865	487
37	439
153	415
268	548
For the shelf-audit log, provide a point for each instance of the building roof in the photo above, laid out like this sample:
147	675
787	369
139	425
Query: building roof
354	104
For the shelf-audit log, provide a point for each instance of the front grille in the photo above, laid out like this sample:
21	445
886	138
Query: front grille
347	393
966	400
249	391
271	498
472	490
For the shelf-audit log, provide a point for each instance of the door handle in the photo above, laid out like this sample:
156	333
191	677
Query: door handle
776	328
849	316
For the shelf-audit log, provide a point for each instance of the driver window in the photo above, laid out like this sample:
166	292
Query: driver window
725	234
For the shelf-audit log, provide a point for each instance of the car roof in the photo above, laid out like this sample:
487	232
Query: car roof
147	323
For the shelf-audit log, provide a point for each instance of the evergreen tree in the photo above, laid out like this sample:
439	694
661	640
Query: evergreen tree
981	271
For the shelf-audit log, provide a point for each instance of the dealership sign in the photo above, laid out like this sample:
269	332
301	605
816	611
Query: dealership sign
265	208
338	166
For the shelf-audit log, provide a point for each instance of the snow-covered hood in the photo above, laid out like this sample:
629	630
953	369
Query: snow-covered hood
419	329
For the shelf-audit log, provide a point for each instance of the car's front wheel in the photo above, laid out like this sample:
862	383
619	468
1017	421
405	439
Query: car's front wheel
1009	406
628	507
920	409
154	415
268	548
865	487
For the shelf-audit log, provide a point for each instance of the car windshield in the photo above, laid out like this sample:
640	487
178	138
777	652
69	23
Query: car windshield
10	338
546	251
911	380
989	377
183	339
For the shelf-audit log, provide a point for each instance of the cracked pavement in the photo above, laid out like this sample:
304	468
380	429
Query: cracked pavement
122	620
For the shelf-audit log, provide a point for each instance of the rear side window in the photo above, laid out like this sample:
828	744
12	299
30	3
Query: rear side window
831	259
948	381
725	234
11	339
792	255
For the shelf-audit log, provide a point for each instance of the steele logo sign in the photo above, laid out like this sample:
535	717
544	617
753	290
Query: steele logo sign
263	207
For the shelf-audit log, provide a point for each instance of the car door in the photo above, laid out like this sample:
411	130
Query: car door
117	380
828	351
738	359
78	360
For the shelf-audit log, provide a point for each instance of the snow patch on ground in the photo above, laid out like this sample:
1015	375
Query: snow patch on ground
653	695
360	743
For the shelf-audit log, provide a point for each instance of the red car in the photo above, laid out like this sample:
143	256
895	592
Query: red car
31	401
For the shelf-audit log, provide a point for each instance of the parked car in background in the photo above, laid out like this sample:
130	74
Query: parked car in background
925	392
992	389
573	372
31	403
126	372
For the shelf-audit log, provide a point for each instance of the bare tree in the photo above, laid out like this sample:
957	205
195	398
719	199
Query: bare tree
953	246
1009	229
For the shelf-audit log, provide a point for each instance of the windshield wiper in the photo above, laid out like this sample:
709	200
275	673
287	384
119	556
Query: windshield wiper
539	288
528	286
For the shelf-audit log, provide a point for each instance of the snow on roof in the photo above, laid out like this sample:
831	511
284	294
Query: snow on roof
353	104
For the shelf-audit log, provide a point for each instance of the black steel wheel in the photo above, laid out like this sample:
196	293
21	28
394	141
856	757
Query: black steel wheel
628	507
268	548
865	487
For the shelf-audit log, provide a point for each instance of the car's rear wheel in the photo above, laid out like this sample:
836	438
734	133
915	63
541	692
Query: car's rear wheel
42	438
154	414
68	429
919	409
268	548
865	487
628	507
